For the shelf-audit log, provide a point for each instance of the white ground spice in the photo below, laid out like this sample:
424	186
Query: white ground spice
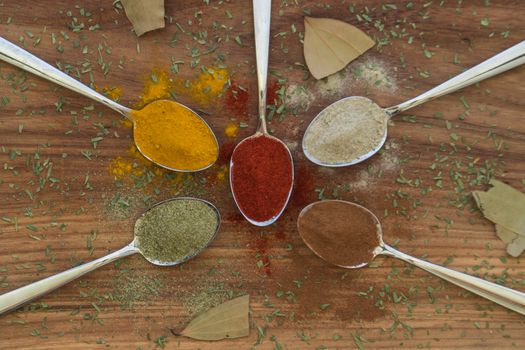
298	98
345	131
334	85
375	74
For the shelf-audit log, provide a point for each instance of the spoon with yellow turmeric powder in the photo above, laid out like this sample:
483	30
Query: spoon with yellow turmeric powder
166	132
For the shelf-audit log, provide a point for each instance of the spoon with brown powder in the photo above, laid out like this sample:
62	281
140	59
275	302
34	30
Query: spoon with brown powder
353	129
349	235
169	233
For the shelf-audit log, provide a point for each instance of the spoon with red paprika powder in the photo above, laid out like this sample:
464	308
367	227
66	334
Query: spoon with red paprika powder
349	235
261	166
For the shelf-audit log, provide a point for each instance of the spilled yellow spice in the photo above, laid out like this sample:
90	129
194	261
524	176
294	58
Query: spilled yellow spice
119	167
231	130
112	92
222	173
157	87
208	86
136	166
173	136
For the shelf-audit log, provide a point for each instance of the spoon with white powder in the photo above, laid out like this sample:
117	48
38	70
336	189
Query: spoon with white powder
353	129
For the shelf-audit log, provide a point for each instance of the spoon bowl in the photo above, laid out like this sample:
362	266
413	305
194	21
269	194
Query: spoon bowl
261	20
315	226
22	59
158	128
233	171
18	297
508	59
189	256
374	146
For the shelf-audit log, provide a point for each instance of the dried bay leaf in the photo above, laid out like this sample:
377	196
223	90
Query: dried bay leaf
228	320
515	242
144	15
329	45
503	205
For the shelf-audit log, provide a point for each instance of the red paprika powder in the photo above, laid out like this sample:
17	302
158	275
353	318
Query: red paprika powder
261	176
237	100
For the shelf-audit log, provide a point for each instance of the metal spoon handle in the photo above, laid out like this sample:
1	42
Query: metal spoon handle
19	57
261	22
509	298
15	298
508	59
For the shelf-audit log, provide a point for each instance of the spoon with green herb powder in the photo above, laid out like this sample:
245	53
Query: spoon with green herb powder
168	234
353	129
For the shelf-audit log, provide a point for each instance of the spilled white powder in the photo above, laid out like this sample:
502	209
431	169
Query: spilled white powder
345	131
298	98
375	74
334	85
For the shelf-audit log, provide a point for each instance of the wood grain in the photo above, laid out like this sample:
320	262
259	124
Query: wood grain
484	123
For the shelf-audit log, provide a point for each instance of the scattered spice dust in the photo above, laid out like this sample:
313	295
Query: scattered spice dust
136	169
231	130
375	74
119	167
310	287
299	98
237	100
261	253
131	287
304	186
271	94
207	88
334	85
205	296
112	92
157	87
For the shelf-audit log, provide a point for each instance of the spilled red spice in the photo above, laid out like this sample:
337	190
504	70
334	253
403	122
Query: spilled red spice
261	246
261	177
237	100
280	235
225	153
304	186
271	94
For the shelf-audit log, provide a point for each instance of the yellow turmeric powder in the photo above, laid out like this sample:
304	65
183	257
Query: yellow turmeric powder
120	167
231	130
210	82
206	88
157	87
172	135
112	92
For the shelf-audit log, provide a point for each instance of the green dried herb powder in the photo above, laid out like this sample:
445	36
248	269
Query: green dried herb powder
175	230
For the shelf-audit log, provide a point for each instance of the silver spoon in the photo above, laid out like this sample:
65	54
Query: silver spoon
22	59
18	297
261	16
504	296
500	63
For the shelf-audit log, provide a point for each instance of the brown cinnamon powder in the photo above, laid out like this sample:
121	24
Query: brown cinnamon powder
340	232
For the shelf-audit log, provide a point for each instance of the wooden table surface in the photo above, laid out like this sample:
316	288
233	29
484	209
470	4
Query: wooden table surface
55	187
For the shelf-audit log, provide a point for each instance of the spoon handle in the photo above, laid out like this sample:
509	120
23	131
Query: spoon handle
15	298
508	59
262	10
22	59
509	298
